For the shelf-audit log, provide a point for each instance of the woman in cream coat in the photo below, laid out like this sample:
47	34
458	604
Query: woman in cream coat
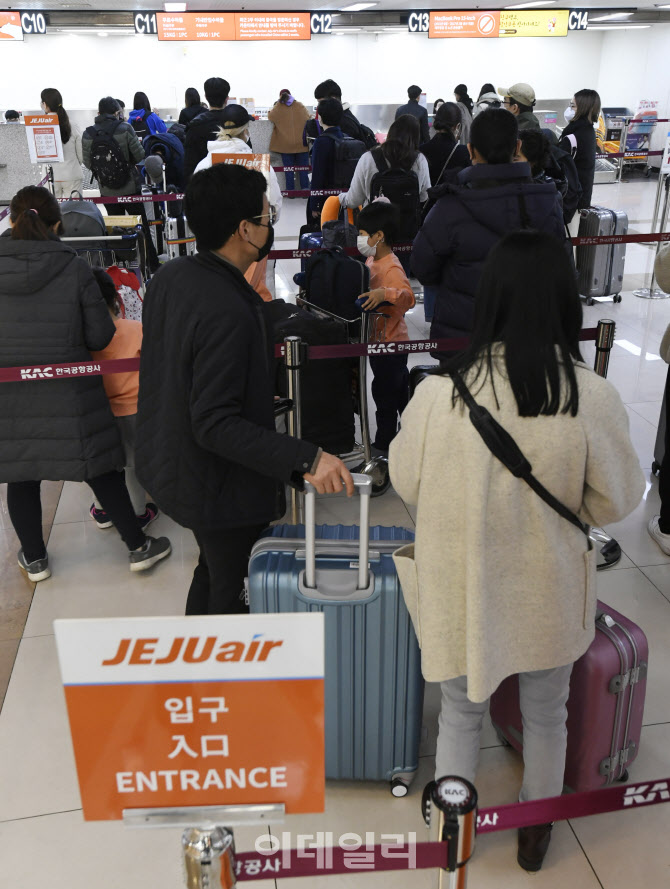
68	175
497	582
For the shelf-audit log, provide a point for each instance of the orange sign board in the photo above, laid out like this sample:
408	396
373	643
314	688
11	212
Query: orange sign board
273	26
219	710
260	162
234	26
44	139
464	24
10	26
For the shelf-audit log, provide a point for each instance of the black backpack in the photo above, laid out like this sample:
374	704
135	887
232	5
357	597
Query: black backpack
348	152
367	137
401	187
141	127
108	162
334	281
563	171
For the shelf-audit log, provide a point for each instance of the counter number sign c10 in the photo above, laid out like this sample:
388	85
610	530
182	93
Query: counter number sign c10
578	20
321	23
419	22
33	23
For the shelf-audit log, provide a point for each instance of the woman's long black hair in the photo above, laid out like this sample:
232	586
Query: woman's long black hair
141	102
54	102
528	301
402	143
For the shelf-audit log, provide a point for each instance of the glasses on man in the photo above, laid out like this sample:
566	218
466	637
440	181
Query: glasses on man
271	215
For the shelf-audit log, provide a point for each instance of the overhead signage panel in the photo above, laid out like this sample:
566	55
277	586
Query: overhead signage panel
203	26
499	23
10	26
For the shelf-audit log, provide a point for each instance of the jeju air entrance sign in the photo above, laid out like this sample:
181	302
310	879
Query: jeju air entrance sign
195	711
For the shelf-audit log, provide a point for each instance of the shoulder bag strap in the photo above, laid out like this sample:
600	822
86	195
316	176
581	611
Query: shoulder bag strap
504	447
451	154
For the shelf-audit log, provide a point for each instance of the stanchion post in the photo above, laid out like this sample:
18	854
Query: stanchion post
293	357
604	343
650	292
209	858
50	174
455	800
622	146
366	321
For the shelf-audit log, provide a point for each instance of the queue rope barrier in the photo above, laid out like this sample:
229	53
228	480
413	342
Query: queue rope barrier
290	863
91	368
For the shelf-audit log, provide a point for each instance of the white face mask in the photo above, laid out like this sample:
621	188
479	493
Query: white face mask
363	247
569	114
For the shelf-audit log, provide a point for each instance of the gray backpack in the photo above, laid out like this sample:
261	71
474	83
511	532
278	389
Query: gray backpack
81	219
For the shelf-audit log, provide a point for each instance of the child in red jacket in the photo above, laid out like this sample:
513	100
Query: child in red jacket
378	224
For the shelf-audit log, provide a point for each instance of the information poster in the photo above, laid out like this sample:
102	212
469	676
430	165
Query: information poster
10	26
260	162
234	26
195	711
503	23
44	141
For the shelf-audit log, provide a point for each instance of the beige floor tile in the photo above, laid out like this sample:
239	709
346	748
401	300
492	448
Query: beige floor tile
659	575
632	534
8	649
650	410
62	851
633	594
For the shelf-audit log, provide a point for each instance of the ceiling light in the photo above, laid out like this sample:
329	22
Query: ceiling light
174	7
357	7
622	27
531	5
611	17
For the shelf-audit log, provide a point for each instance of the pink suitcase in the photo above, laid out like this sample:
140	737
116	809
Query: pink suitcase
605	707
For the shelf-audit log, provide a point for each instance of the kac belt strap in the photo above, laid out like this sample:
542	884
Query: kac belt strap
504	447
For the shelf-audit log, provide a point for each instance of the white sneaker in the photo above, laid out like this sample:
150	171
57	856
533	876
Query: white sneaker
663	540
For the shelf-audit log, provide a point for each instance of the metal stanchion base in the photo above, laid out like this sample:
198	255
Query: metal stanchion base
647	293
608	550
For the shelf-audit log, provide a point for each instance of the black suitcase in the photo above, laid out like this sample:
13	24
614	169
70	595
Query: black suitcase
327	400
334	281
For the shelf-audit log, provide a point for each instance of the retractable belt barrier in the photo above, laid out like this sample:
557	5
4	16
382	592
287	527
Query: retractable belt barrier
354	350
606	155
312	862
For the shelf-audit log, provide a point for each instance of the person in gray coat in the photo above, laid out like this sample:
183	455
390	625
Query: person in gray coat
56	427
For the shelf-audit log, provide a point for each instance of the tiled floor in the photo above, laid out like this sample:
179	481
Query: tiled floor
43	839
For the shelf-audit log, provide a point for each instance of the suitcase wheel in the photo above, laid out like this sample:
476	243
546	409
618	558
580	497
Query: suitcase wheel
400	785
378	470
617	298
624	777
589	301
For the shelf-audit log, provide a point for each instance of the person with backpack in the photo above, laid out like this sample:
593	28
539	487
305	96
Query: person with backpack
350	124
390	295
489	199
334	155
549	163
67	175
59	429
443	152
497	581
203	128
111	150
289	118
396	170
488	98
412	107
578	139
193	106
143	120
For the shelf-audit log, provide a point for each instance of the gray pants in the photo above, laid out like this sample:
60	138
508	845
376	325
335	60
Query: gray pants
543	706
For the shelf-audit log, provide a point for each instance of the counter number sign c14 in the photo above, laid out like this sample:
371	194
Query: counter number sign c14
578	20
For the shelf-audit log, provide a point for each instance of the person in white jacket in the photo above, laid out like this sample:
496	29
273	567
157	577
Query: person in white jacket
488	98
68	175
498	582
232	139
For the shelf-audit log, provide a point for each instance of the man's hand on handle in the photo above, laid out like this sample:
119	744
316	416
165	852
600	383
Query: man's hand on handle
331	474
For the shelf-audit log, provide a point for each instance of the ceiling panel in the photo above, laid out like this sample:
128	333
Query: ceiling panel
196	5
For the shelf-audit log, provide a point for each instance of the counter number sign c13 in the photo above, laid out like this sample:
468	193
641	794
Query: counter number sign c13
419	22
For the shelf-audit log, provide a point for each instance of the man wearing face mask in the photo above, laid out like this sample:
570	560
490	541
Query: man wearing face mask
208	450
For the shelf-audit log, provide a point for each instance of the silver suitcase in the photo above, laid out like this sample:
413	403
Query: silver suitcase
600	268
179	238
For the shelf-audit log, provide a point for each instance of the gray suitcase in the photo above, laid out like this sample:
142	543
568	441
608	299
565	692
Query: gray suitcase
600	268
179	238
373	681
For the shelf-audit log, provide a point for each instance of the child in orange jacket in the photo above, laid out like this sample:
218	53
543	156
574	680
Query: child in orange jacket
378	224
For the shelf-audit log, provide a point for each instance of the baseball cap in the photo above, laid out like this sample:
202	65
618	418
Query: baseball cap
235	116
522	92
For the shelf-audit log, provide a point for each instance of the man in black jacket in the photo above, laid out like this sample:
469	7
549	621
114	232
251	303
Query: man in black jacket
349	123
207	446
416	110
205	126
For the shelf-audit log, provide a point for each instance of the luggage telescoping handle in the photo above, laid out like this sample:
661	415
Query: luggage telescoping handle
364	485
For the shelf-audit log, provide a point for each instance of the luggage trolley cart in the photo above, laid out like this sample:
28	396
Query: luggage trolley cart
370	328
126	250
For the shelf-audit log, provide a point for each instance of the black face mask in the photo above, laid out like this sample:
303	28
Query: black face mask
267	246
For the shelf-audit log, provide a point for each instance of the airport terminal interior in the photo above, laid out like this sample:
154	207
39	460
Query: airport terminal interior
90	50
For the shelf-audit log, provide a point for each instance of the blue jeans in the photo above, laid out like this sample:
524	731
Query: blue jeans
296	160
429	295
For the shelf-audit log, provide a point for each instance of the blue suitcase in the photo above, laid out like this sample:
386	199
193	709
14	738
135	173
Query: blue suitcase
373	681
309	240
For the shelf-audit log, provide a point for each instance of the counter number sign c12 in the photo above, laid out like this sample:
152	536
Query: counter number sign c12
321	23
578	20
419	22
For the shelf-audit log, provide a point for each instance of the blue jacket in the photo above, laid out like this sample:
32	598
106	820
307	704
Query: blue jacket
153	121
468	219
323	157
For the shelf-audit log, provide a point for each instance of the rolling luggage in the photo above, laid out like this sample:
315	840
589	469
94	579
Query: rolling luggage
600	268
334	281
179	239
605	707
373	681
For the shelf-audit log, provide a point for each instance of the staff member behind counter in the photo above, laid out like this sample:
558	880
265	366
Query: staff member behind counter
207	446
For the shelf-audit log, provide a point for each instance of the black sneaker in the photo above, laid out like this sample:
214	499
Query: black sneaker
37	570
100	517
155	549
150	513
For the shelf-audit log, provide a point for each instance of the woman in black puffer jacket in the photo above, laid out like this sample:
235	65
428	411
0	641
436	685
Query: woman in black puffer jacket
60	429
581	115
